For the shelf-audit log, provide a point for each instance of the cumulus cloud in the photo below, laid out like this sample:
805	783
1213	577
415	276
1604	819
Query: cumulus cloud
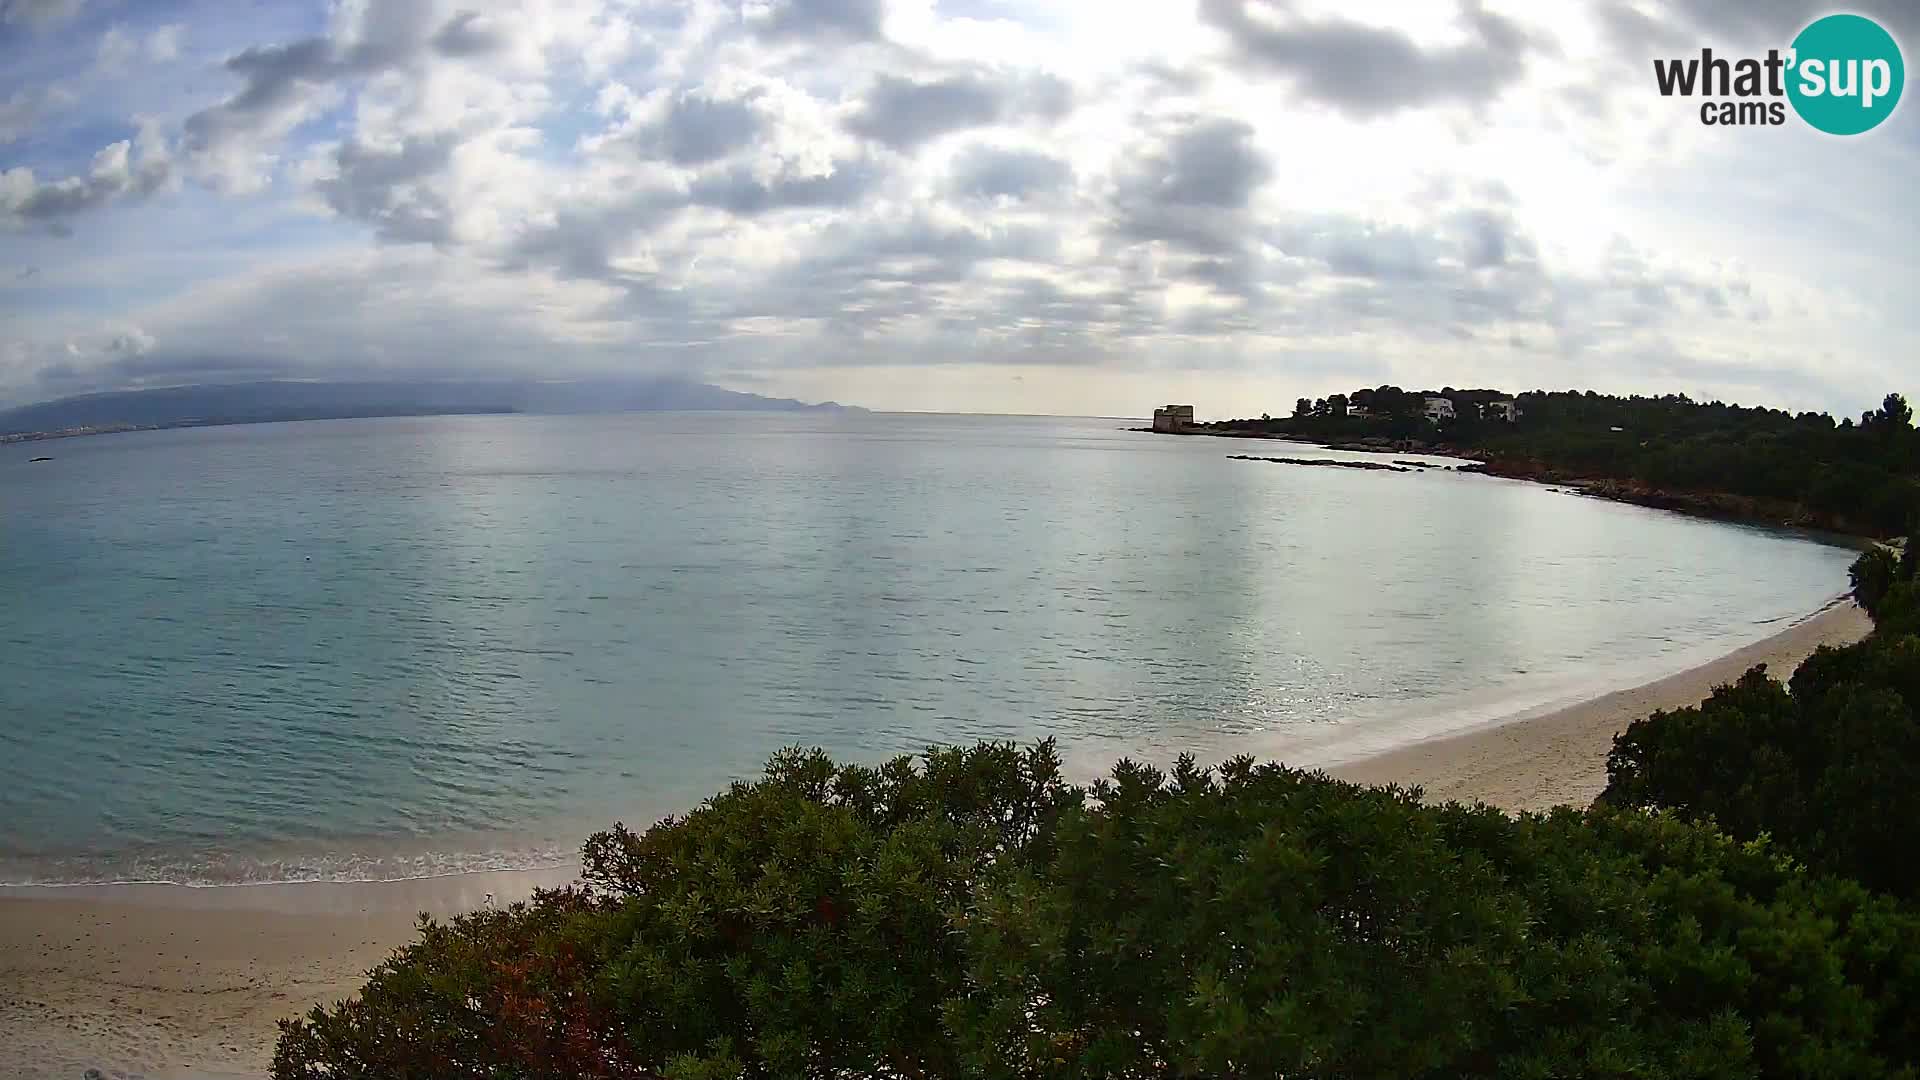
904	112
230	142
163	44
769	185
803	20
700	127
117	49
992	172
390	187
741	191
1187	194
1368	70
469	33
285	84
114	175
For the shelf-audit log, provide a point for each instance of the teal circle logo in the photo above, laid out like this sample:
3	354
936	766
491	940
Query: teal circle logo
1846	74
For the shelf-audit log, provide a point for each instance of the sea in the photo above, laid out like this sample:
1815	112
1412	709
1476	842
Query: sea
385	648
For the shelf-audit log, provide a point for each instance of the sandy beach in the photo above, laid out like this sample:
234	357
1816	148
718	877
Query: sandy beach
173	983
1538	762
162	981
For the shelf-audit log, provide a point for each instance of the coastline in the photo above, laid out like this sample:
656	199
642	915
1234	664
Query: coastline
1708	505
1535	762
189	983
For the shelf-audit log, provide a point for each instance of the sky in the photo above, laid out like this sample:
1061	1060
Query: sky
1076	207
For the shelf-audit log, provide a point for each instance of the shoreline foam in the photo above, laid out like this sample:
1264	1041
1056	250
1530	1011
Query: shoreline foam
190	981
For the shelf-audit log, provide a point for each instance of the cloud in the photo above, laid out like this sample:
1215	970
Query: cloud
112	176
229	141
132	341
468	34
802	20
284	85
583	240
163	44
39	14
1281	189
116	50
1772	22
17	114
390	188
700	127
991	172
903	112
1209	162
1187	194
742	192
1366	70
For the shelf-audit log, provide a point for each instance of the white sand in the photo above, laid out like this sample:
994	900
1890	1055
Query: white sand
169	982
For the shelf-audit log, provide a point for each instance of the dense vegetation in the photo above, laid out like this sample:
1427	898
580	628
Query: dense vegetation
1854	476
973	915
1827	766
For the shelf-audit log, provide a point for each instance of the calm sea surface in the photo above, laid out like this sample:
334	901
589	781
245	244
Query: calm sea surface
379	648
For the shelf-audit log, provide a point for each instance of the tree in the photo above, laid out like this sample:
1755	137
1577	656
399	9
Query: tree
1302	408
971	915
1895	412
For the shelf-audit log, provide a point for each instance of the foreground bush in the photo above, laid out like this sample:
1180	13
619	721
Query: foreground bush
972	915
1826	766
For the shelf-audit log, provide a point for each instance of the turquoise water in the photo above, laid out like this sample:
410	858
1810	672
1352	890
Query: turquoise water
387	647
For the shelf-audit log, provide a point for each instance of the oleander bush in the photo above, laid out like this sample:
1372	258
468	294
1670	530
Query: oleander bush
970	914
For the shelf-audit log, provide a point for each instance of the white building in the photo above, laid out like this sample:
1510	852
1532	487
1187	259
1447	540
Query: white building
1439	408
1505	409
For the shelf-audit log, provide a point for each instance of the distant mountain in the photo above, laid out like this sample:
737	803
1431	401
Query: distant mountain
257	402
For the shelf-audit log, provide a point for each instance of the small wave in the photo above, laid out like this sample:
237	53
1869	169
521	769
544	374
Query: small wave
331	870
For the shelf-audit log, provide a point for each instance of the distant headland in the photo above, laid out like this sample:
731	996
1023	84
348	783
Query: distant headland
209	405
1710	458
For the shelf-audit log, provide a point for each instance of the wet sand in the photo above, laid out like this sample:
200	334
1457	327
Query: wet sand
163	981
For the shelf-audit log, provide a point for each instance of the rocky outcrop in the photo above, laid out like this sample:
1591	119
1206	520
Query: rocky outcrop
1720	505
1371	466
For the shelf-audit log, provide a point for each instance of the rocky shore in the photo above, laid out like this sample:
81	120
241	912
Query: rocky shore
1330	463
1718	505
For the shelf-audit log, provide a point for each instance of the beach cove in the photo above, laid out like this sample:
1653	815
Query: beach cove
544	635
169	981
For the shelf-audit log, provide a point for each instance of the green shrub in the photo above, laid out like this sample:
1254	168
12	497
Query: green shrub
972	915
1872	575
1826	768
